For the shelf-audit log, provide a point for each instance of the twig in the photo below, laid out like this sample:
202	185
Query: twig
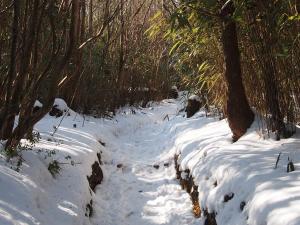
101	31
83	120
166	117
278	158
55	130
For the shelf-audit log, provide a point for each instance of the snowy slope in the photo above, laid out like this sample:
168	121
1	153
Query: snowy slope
133	191
33	195
244	168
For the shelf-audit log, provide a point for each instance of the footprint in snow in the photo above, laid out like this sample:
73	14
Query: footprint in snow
129	214
129	188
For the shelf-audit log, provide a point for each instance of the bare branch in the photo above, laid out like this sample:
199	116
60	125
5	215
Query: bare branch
102	29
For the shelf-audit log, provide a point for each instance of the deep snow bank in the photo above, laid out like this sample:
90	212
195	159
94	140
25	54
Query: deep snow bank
238	181
29	194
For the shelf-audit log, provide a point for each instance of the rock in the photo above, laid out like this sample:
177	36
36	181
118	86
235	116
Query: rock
242	205
210	218
99	158
193	105
55	112
215	183
96	177
120	165
101	143
156	166
290	167
187	183
59	107
89	209
228	197
176	164
173	93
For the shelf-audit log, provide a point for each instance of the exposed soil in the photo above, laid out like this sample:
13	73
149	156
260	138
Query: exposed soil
187	183
96	177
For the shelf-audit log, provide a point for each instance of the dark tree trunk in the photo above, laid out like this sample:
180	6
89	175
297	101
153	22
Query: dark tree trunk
15	98
7	121
26	124
239	113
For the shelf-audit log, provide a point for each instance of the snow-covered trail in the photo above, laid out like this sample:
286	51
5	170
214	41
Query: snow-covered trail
252	173
134	192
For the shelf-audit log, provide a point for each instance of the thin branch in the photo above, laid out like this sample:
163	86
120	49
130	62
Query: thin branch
204	12
102	29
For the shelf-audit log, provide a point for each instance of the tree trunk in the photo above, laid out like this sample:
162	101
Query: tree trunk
28	122
26	50
239	113
6	115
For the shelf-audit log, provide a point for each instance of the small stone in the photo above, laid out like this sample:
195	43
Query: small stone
120	165
156	166
99	158
228	197
166	164
193	106
215	184
242	205
102	143
173	93
290	167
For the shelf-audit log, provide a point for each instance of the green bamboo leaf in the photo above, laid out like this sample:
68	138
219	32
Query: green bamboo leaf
175	47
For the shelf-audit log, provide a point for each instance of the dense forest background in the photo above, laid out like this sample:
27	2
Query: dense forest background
102	54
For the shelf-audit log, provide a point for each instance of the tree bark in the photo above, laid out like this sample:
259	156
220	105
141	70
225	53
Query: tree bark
239	113
28	122
26	51
6	121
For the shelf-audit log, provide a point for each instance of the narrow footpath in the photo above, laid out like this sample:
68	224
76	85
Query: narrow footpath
139	186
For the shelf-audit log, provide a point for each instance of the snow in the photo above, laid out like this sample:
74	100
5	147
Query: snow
38	104
134	192
245	168
138	193
61	104
195	98
32	195
174	88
